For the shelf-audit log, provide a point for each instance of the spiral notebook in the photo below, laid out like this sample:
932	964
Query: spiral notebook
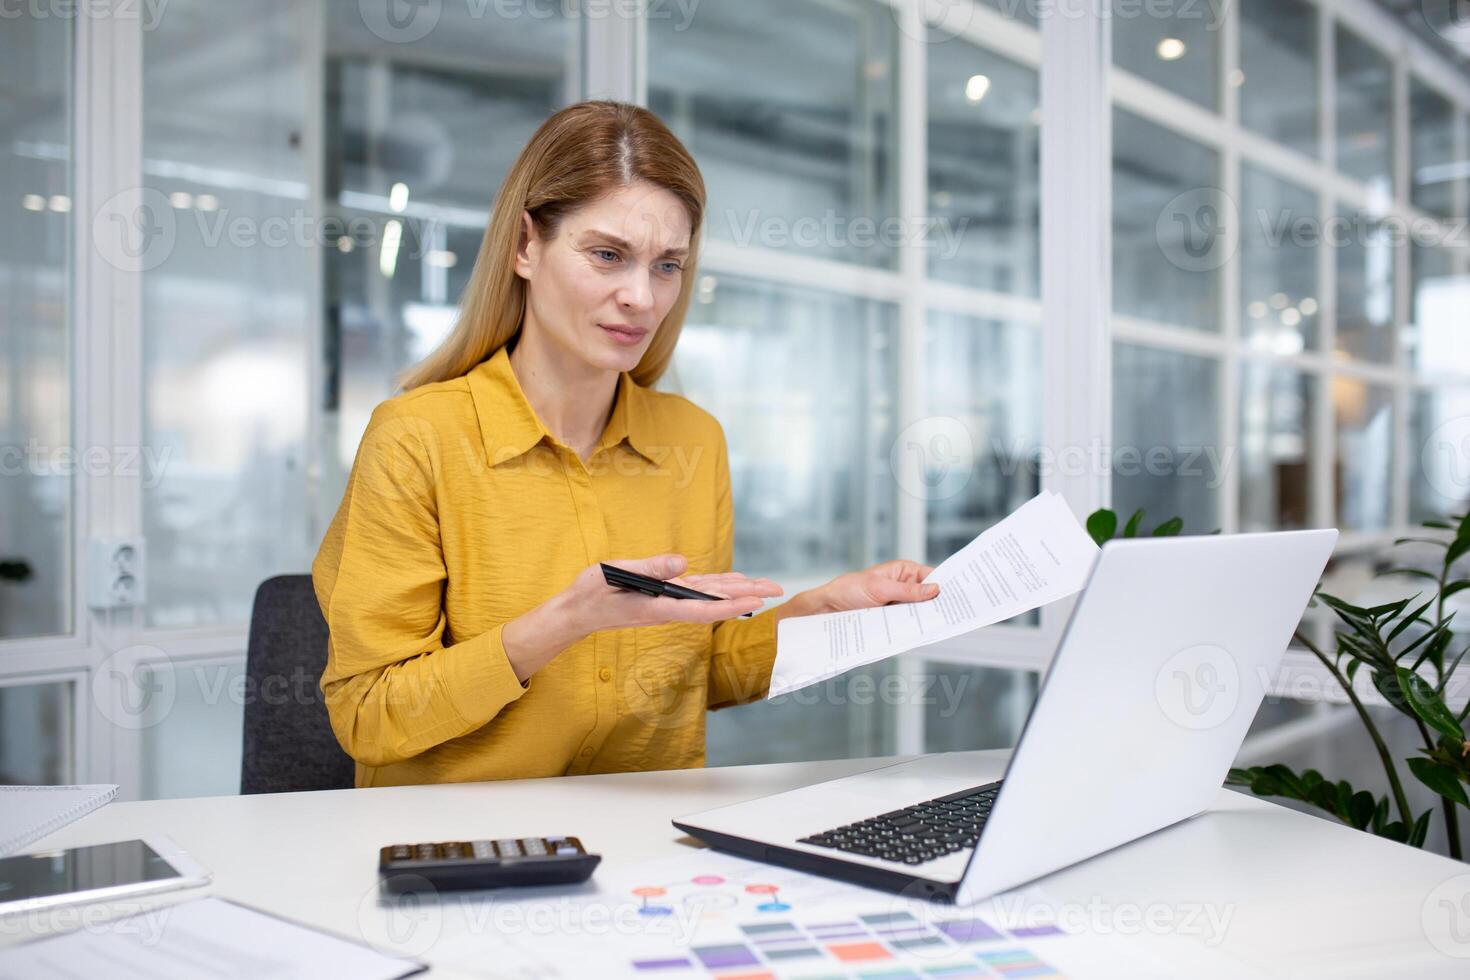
28	813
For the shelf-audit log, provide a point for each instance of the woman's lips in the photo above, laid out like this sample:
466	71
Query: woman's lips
623	333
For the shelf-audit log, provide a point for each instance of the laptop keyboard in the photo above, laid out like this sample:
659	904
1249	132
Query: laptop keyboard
918	833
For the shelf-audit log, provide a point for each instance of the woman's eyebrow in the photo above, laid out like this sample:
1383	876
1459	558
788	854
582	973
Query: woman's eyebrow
612	239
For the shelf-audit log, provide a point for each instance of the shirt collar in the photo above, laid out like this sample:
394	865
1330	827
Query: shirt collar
510	427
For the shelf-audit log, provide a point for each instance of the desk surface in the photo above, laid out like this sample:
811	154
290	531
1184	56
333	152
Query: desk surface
1304	896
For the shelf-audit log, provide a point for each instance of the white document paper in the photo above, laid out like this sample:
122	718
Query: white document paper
203	938
1039	554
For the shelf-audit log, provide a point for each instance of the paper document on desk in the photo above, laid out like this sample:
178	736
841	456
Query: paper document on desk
1039	554
703	914
203	937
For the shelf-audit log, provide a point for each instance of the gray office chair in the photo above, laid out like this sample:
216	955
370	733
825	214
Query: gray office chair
289	744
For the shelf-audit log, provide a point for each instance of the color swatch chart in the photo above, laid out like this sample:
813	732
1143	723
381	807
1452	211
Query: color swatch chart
771	937
710	916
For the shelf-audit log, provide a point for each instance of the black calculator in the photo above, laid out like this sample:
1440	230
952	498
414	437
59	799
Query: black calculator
455	865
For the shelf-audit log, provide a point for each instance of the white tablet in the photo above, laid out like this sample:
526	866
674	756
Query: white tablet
101	872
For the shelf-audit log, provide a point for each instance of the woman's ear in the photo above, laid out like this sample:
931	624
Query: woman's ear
528	248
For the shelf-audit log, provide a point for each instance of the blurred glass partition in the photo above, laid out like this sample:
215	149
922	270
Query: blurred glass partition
790	109
227	306
36	433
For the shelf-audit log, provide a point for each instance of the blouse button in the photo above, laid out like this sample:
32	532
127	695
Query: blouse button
605	673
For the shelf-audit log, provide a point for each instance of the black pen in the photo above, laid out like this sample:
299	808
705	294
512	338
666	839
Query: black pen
621	578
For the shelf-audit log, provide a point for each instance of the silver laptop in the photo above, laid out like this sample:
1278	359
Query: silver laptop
1162	666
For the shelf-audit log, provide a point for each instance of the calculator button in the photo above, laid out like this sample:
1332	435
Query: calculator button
453	852
508	848
401	852
533	846
484	849
566	849
425	852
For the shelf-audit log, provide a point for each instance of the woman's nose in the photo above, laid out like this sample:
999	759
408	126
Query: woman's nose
637	290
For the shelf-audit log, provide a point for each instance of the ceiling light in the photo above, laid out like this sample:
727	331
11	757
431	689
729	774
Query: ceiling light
398	197
1171	49
388	256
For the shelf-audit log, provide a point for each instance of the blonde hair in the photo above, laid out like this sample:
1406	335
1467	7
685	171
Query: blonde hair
579	154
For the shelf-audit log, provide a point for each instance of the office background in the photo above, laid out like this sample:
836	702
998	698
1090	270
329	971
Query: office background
1261	219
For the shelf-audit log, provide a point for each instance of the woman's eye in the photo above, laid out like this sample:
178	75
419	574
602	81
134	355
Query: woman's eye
606	254
669	268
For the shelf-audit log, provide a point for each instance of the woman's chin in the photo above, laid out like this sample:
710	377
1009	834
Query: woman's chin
615	356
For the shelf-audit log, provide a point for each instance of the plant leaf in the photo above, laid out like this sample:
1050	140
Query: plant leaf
1389	610
1169	528
1421	829
1413	571
1238	777
1380	814
1131	529
1388	686
1457	548
1408	621
1361	808
1453	587
1435	651
1444	677
1439	778
1337	603
1101	524
1428	705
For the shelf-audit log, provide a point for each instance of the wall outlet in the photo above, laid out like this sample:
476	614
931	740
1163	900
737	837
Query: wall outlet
116	573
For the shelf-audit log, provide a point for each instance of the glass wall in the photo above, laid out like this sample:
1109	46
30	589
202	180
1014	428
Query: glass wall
38	459
36	743
227	306
1168	223
1289	279
1279	293
802	154
1277	75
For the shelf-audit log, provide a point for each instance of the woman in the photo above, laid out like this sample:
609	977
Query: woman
472	633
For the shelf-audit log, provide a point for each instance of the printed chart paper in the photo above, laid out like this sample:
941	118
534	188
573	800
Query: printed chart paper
711	915
1039	554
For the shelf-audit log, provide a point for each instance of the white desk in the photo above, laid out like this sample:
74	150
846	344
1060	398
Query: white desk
1306	897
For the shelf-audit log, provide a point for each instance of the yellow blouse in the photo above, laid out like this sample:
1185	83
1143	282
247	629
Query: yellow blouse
462	512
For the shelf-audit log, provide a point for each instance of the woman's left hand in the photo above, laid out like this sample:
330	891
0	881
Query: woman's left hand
890	581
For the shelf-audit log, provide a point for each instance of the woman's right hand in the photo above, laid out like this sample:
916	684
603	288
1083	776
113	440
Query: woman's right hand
599	606
534	638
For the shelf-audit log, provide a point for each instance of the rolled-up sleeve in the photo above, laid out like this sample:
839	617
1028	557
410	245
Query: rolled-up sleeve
744	649
395	685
